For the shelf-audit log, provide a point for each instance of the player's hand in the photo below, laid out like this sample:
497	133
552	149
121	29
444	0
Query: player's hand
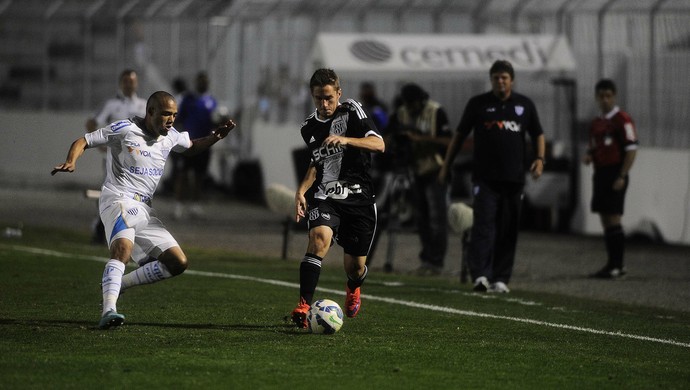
335	140
587	159
223	130
66	167
300	206
619	184
537	168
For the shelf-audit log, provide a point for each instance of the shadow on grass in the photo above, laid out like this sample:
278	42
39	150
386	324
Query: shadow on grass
282	327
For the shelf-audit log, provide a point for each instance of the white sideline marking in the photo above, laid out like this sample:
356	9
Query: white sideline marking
394	301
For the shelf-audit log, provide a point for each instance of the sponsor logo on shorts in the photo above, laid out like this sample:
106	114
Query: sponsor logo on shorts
326	216
314	214
133	211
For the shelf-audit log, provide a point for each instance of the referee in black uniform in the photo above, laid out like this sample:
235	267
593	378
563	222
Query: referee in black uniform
500	119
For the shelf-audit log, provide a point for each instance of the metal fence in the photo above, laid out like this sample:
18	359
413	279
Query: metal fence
66	54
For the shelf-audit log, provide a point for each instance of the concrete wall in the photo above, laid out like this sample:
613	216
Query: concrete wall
34	142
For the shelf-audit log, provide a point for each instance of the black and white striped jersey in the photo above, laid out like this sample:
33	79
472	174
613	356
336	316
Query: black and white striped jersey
342	173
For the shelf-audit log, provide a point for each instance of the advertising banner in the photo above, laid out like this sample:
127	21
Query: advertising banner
439	54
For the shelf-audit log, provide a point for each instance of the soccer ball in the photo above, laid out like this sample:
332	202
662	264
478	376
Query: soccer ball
325	316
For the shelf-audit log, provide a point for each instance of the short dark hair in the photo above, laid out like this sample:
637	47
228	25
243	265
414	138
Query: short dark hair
157	98
413	93
605	85
323	77
500	66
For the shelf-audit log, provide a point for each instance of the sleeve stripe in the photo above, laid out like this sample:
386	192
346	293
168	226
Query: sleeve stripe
372	132
360	111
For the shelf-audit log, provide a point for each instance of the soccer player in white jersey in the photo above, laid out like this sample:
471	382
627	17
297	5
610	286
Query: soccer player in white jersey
126	104
137	151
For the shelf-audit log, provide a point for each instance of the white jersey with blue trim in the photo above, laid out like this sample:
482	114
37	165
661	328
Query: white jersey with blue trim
135	161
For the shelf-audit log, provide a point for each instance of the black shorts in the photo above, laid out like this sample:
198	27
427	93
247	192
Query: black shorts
353	225
605	200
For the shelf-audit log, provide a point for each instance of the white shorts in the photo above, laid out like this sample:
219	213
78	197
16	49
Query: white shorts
137	222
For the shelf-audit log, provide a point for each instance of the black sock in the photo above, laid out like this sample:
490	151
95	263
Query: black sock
615	245
352	284
309	271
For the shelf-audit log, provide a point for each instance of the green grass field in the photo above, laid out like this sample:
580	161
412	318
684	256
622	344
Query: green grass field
221	325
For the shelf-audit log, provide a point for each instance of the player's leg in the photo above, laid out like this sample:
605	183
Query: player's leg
506	239
614	238
608	203
169	261
356	270
481	247
356	234
323	224
120	242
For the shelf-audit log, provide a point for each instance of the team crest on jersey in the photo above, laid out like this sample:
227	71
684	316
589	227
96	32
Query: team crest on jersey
519	110
338	126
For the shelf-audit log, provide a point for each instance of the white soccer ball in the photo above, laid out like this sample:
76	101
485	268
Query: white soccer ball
325	316
460	217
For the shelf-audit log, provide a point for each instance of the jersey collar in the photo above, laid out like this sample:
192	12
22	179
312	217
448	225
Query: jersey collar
611	113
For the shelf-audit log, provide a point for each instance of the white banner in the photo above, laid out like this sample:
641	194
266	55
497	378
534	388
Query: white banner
391	53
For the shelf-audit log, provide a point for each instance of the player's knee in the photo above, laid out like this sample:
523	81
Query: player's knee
178	266
319	241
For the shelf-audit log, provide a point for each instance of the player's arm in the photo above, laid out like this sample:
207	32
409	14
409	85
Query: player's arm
75	151
537	167
201	144
370	143
300	199
451	151
628	161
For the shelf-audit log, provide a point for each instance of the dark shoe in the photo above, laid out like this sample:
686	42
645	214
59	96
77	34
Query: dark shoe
608	273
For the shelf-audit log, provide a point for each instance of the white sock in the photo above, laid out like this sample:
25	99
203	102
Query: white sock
111	283
149	273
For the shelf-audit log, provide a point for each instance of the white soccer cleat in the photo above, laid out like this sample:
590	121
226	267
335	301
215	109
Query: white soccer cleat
481	284
499	287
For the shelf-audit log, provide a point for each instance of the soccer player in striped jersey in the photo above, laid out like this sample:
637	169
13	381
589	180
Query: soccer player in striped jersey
612	149
336	193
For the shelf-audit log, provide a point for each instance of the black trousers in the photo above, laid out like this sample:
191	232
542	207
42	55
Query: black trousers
495	230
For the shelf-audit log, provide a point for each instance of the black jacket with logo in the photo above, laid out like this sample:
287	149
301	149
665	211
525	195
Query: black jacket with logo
499	135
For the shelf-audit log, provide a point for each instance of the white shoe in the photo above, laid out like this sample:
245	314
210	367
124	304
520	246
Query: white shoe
499	287
481	284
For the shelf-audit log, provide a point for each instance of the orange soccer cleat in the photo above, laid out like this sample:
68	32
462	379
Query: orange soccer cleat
352	302
299	315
